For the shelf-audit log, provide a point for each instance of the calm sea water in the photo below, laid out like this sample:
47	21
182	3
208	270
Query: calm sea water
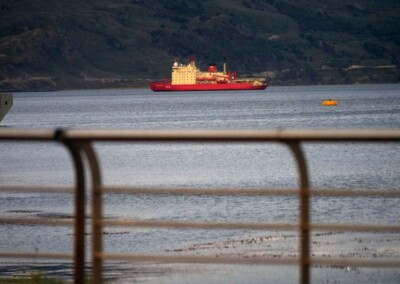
177	165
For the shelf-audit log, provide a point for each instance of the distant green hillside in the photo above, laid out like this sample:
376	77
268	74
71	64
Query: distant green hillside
61	44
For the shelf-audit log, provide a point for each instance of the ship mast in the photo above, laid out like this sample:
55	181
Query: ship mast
224	64
193	60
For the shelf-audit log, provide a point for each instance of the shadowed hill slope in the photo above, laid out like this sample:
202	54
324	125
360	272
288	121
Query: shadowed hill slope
62	44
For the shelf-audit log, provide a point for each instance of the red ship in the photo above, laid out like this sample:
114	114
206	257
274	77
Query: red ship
190	78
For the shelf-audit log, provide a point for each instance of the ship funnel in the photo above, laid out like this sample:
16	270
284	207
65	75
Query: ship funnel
212	67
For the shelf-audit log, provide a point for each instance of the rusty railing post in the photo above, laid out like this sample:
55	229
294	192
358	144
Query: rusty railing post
97	214
80	201
304	212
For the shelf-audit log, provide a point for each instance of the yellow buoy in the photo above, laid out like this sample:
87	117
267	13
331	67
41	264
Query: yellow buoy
329	103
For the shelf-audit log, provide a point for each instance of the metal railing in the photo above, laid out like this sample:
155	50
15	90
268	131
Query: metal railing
79	144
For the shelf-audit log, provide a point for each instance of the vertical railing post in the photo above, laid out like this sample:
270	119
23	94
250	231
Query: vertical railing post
80	201
304	209
97	215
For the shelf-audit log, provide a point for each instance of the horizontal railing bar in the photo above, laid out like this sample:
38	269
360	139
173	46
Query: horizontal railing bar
214	259
247	192
247	225
202	191
36	189
249	260
202	135
27	134
232	135
47	255
39	221
208	225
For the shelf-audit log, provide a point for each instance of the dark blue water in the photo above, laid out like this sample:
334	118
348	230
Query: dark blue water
209	166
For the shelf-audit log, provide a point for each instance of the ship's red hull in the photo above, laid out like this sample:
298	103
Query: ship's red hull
168	87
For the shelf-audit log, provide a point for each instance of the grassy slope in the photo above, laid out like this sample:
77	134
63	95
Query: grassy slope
67	43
